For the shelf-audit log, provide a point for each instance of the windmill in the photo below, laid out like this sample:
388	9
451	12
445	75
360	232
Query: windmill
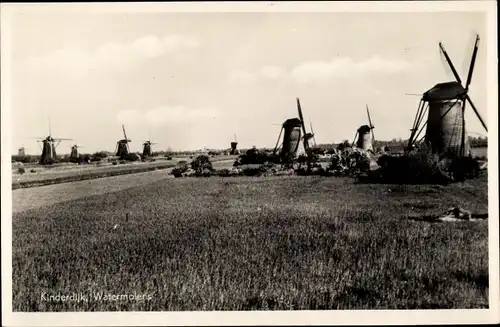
122	148
147	150
74	154
445	107
234	146
21	152
49	145
293	131
365	135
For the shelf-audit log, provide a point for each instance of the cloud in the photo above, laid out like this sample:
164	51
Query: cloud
318	71
113	56
267	72
321	71
164	115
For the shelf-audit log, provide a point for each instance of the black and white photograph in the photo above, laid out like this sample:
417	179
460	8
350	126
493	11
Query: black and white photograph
263	163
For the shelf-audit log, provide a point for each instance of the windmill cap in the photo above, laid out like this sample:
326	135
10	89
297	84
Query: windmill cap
292	122
445	91
364	129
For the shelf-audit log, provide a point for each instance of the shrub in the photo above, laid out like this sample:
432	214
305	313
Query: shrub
224	172
254	171
182	165
256	157
97	156
423	167
21	170
177	172
202	164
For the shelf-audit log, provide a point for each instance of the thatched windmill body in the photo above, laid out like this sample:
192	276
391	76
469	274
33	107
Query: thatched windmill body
294	131
445	105
122	147
364	135
21	152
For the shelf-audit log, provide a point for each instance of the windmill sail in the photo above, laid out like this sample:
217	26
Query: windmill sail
445	103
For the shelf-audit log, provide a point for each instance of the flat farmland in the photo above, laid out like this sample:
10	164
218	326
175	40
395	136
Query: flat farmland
72	172
243	243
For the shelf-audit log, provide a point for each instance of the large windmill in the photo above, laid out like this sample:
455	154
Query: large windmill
365	135
122	147
49	145
445	104
294	131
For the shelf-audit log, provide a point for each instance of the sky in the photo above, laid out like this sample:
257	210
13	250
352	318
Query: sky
193	80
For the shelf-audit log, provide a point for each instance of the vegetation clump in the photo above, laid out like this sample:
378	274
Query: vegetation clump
423	167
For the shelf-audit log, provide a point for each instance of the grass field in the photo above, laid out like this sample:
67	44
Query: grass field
244	243
479	152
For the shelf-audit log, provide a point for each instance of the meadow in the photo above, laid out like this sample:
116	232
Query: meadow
243	243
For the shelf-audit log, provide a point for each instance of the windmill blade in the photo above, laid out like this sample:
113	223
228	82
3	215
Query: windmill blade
61	139
312	132
124	134
472	62
370	121
301	117
448	60
278	141
476	112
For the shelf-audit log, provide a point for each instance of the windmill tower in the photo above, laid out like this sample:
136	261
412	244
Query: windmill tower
445	104
49	145
234	146
294	131
122	147
365	135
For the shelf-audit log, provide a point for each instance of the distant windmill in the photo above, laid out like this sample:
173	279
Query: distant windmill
147	150
234	146
122	147
74	154
21	152
365	135
49	145
445	104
